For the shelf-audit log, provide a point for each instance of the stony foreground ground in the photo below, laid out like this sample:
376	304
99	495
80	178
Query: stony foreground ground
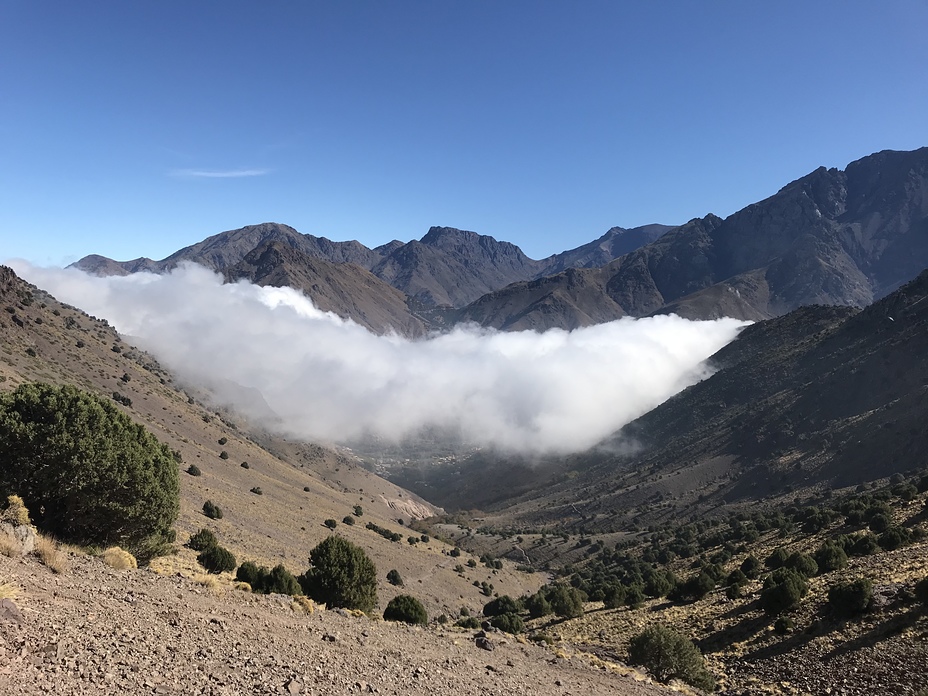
97	630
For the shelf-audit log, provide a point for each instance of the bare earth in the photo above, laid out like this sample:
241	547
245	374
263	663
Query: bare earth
96	630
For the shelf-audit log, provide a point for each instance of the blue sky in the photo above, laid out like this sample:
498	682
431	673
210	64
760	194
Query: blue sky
134	129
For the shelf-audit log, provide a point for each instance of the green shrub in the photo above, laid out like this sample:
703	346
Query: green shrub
894	538
751	567
245	465
538	606
694	589
830	557
89	474
194	470
501	605
216	559
223	455
736	577
783	590
330	523
850	598
777	559
880	523
566	602
865	545
406	609
349	520
634	597
341	575
358	511
508	623
803	564
784	625
279	581
202	540
394	578
223	440
613	597
257	490
455	552
211	510
250	572
668	655
468	622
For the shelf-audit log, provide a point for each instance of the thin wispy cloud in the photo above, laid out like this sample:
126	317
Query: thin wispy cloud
218	173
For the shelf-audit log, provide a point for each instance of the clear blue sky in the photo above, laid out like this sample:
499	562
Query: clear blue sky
136	128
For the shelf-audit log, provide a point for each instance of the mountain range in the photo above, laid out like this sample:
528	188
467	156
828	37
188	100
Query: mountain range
839	237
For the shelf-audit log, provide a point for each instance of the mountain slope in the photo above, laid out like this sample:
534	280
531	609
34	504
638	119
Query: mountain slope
820	397
831	237
342	288
301	484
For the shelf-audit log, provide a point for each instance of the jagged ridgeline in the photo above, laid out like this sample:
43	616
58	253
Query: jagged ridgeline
836	237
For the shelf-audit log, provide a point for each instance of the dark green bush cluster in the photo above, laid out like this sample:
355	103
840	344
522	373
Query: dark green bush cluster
194	470
211	510
394	578
850	598
384	532
217	559
88	474
562	600
277	580
341	575
668	655
349	520
406	609
783	589
202	540
121	398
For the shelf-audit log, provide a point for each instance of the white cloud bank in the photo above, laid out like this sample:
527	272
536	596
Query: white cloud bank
332	380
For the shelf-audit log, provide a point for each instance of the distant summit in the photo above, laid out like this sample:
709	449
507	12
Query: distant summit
831	237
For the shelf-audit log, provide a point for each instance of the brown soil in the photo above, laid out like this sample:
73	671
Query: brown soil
96	630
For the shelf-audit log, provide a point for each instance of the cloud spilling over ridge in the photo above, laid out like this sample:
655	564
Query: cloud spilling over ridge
329	379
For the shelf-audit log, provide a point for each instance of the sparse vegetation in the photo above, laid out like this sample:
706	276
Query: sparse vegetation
211	510
118	558
341	575
217	559
394	578
87	472
202	540
668	655
850	598
407	609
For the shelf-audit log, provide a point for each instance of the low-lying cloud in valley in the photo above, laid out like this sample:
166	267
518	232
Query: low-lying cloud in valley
328	379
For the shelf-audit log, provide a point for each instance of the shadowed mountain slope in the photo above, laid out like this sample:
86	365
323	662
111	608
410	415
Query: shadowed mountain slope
820	397
832	237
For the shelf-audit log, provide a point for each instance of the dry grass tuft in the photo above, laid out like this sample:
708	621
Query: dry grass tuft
16	512
210	582
243	586
119	559
303	605
8	545
8	590
50	553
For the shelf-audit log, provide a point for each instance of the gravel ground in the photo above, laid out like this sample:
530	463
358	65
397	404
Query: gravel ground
96	630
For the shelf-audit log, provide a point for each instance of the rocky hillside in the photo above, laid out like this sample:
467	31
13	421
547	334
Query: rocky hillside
94	630
832	237
821	397
342	288
299	485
